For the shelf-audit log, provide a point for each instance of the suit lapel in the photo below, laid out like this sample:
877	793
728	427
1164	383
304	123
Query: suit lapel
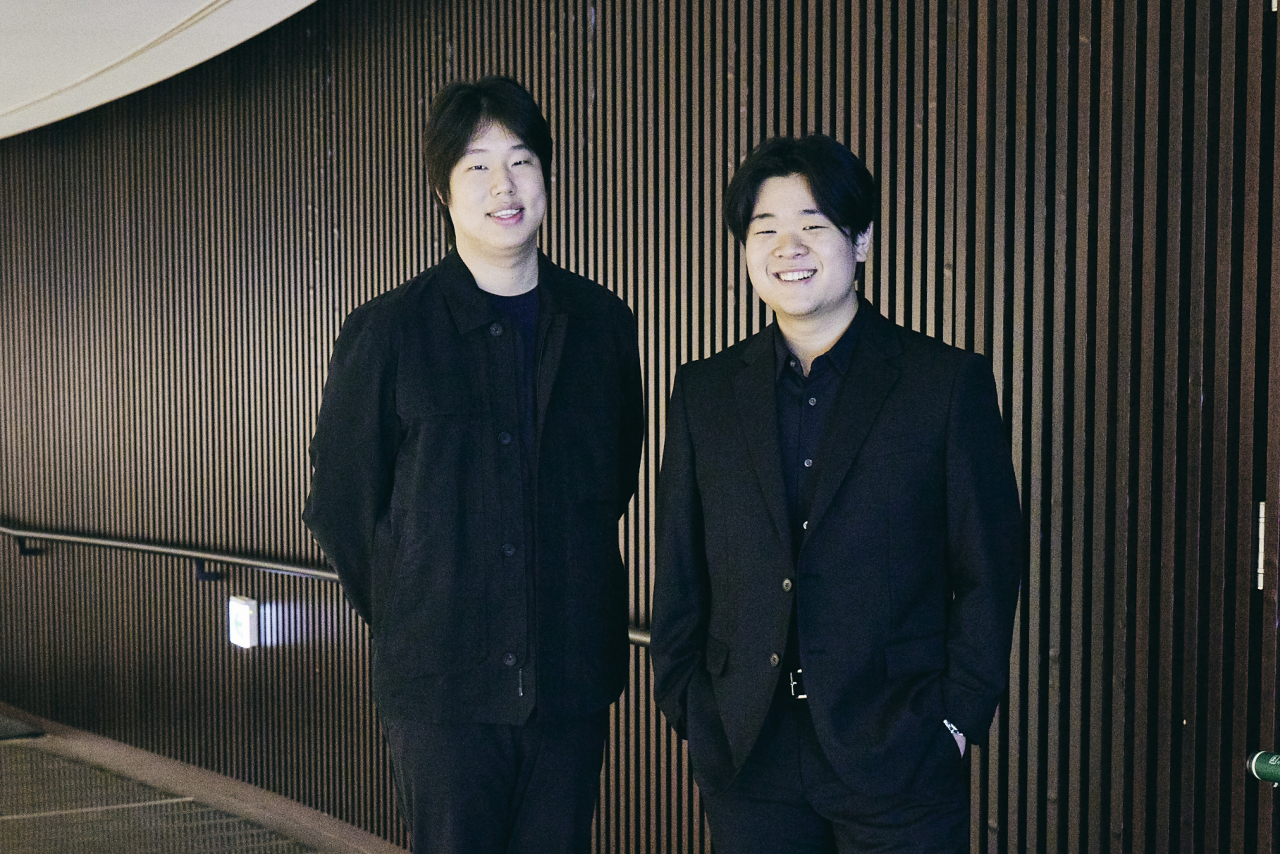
756	395
871	376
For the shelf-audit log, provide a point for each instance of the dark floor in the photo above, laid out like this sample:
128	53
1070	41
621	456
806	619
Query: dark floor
51	805
67	792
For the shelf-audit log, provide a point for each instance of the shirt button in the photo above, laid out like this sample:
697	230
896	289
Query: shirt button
495	329
773	660
786	584
808	464
509	659
805	524
508	549
504	437
813	401
792	363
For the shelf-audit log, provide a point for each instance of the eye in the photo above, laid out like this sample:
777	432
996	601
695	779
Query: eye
476	167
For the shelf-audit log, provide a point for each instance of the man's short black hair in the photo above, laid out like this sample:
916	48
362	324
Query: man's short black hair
461	109
840	184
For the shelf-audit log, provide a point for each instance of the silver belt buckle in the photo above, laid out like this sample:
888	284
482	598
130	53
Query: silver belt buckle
797	684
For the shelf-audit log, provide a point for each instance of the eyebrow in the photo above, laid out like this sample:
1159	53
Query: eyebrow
483	150
806	211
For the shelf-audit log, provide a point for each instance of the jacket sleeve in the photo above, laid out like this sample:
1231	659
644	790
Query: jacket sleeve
984	552
681	594
353	453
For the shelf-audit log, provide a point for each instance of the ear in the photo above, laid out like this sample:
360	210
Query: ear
862	245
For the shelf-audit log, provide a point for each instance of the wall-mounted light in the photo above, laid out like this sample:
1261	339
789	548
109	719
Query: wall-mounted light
242	621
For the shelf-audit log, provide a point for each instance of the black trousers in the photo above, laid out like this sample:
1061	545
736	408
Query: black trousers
787	799
491	789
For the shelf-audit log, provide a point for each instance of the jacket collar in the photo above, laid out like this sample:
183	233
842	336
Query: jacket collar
471	307
871	375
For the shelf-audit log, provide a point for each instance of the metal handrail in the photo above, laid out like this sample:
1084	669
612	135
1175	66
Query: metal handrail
21	535
637	635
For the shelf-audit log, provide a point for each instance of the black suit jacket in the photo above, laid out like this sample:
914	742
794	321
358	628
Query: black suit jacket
905	585
418	496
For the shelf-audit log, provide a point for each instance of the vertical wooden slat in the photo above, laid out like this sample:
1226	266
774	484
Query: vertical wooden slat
1269	661
1245	193
1193	804
1083	191
952	137
1149	728
1269	666
1166	300
1036	385
1077	777
1102	440
1218	788
1128	651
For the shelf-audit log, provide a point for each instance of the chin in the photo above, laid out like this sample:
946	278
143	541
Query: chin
804	310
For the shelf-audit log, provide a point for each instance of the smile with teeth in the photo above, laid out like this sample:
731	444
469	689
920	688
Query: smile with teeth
795	275
509	213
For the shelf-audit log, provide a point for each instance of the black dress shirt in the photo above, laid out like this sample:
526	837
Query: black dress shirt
803	405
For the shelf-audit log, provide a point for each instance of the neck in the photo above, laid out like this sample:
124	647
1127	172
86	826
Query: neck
504	274
808	338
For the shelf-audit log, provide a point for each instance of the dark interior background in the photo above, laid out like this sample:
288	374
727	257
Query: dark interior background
1085	191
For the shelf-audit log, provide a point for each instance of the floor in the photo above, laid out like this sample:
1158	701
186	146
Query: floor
64	791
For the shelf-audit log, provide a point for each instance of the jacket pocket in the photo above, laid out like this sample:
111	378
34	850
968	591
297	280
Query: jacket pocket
432	605
717	656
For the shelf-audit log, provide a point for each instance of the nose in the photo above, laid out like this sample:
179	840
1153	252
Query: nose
502	183
789	244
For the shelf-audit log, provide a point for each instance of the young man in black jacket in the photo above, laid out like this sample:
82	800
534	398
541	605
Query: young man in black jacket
838	543
479	439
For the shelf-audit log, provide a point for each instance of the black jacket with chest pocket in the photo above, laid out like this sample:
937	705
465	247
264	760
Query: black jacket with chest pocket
418	496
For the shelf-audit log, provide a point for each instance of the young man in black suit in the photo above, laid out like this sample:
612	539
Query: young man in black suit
478	440
839	543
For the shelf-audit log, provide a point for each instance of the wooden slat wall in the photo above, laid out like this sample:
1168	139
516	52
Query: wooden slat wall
1086	192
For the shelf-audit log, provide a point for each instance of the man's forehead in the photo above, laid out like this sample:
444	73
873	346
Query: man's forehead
485	139
769	214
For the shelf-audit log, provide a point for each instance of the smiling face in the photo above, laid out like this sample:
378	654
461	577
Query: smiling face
800	263
497	197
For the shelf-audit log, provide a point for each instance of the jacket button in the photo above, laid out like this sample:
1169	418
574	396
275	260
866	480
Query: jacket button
504	437
495	329
773	660
786	584
509	659
508	549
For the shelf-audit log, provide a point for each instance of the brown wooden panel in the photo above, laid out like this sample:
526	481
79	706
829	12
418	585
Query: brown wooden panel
1086	192
1269	662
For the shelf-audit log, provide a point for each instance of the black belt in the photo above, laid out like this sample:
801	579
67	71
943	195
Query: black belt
795	684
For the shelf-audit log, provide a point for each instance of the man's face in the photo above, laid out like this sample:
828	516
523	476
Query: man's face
799	262
497	197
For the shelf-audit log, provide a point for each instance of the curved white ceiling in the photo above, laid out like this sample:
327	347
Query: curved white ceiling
61	57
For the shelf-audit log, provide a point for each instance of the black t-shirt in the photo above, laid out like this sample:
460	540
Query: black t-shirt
521	313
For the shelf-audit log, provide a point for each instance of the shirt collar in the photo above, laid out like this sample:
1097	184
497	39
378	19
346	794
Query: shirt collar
839	356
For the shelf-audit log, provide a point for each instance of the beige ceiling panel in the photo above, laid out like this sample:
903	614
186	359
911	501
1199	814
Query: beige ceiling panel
62	57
